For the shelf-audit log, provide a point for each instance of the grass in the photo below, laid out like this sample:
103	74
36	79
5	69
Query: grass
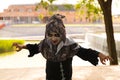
6	46
8	43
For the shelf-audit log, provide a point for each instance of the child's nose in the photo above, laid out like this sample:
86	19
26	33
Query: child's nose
53	38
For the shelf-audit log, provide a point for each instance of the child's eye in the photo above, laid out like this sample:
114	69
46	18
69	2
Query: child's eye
57	35
50	35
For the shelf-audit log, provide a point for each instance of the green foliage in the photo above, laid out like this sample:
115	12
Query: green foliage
45	4
68	6
40	16
6	45
89	7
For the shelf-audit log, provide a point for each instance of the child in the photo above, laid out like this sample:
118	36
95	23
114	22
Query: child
58	50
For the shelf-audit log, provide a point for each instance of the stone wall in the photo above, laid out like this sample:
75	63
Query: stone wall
98	42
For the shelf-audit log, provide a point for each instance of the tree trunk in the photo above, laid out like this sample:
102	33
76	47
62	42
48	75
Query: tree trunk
106	7
110	37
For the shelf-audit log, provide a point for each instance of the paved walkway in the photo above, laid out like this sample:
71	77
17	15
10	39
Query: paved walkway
20	67
79	73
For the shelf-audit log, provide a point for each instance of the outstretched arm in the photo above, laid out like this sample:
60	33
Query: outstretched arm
92	56
33	48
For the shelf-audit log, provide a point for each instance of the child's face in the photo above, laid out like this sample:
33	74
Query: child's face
54	38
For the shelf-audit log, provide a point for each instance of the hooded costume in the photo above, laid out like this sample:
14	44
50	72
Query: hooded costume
59	60
67	48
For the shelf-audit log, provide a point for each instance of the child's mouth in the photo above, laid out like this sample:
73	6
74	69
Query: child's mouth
54	42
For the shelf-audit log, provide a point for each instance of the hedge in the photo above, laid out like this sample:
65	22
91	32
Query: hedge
6	45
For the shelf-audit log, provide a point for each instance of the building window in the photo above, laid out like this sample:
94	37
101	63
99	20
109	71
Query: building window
21	10
12	10
29	10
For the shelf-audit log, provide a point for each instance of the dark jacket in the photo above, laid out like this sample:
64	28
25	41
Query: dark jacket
61	69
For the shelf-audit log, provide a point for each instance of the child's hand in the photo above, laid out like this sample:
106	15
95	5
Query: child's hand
104	58
18	46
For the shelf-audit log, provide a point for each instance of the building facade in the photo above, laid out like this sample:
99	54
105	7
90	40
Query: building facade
26	14
18	14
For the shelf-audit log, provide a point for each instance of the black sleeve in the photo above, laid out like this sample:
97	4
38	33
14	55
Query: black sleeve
88	55
33	49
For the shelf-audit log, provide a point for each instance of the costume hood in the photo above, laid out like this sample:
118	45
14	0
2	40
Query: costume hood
55	24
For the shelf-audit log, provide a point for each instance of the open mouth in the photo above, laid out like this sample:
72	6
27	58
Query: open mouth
54	42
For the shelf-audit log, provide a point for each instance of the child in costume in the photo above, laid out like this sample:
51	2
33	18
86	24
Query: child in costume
58	50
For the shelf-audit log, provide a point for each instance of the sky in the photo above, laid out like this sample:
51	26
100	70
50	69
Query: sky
5	3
